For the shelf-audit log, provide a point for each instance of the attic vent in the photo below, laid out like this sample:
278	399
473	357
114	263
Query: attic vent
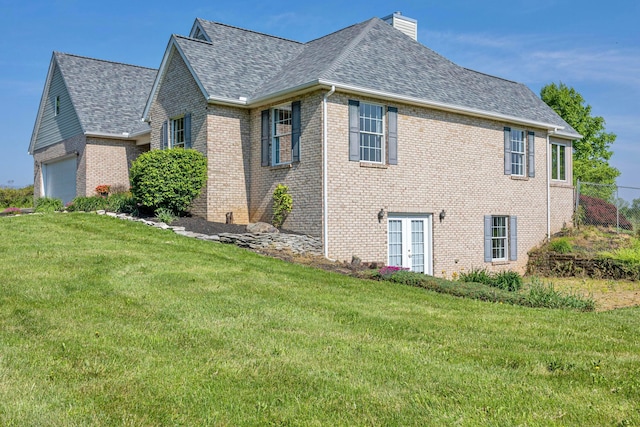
199	34
408	26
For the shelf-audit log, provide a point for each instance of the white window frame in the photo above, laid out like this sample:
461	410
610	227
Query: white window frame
276	147
555	150
175	131
497	237
518	158
367	133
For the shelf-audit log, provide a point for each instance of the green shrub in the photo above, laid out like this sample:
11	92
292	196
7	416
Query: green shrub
476	275
16	197
405	277
122	203
169	179
561	245
48	204
165	215
282	204
507	281
544	295
87	204
537	295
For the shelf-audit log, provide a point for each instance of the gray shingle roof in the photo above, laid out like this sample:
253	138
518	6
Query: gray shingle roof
371	56
236	61
108	97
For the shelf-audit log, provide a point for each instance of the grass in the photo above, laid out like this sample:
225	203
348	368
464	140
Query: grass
108	322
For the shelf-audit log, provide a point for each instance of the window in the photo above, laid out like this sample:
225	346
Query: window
371	133
500	238
56	106
282	133
367	136
176	132
519	153
558	162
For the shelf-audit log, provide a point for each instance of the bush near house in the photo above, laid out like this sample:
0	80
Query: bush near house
169	179
48	204
602	213
16	197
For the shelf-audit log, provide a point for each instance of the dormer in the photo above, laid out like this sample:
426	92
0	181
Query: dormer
197	32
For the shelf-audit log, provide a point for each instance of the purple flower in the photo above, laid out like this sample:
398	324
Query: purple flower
12	210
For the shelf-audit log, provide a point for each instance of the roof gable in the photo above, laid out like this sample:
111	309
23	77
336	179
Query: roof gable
57	118
108	96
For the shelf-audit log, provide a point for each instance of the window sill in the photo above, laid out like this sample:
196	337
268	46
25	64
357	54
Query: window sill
502	262
373	165
519	178
283	166
562	184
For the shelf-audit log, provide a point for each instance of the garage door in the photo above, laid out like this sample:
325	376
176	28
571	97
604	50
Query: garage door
60	179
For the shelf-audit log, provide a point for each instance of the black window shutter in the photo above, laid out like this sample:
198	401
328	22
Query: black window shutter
187	130
531	147
507	151
354	130
265	141
513	238
296	129
488	255
164	135
393	135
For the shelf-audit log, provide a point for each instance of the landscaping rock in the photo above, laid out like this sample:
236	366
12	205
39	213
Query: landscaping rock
261	227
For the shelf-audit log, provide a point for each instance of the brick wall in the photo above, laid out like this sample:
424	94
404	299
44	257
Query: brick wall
445	161
228	153
177	95
303	178
562	194
100	161
108	162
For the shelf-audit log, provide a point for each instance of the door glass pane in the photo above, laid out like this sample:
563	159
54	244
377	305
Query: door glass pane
395	242
417	245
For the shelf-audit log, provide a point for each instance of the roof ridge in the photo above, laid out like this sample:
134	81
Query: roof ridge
103	60
191	39
491	75
250	31
349	47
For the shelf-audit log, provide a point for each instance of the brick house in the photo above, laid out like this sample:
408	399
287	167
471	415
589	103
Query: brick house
78	142
407	159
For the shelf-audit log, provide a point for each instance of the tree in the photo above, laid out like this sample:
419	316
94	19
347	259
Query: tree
591	154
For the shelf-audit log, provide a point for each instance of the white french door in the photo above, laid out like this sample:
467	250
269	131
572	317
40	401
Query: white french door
409	238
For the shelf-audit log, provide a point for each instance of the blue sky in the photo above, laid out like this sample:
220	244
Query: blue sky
591	46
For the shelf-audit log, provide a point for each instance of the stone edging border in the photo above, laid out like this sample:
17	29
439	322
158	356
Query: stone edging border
300	244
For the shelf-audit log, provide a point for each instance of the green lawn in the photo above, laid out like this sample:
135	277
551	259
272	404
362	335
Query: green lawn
108	322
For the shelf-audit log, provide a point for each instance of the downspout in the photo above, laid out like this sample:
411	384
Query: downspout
325	180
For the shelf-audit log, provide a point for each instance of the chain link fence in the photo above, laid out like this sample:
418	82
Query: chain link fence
609	206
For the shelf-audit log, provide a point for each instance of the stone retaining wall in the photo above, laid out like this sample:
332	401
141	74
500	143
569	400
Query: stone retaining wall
299	244
570	265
